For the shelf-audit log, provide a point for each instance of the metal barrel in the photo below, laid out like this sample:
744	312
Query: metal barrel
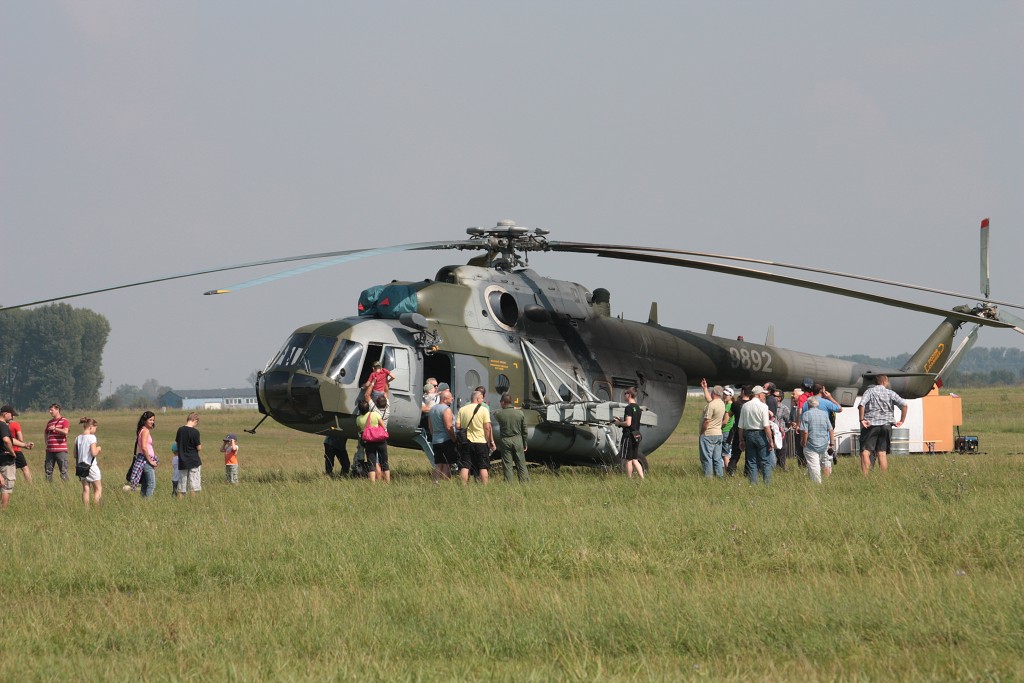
899	444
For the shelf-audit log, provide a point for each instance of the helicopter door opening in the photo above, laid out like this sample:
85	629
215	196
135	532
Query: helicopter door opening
393	358
438	366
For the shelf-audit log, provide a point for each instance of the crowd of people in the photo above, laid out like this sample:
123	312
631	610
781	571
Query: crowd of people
186	461
752	421
758	423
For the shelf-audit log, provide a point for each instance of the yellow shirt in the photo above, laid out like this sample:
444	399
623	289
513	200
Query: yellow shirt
475	427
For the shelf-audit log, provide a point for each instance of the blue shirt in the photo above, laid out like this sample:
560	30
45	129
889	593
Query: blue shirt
824	404
817	426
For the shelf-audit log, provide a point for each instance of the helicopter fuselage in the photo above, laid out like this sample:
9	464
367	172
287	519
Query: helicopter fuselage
552	345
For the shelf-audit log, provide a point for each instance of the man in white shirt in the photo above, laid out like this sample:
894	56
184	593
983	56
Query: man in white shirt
756	436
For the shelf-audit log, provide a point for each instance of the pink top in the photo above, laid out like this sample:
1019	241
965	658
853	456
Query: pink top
149	445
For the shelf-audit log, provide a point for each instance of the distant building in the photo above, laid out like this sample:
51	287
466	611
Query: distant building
209	399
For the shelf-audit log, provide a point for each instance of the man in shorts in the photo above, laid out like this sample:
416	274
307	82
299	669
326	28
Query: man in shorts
876	406
475	418
441	424
189	463
7	460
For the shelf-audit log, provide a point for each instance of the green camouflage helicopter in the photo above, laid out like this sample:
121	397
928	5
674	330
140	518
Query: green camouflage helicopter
555	348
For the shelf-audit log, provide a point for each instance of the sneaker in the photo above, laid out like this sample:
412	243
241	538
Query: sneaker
126	488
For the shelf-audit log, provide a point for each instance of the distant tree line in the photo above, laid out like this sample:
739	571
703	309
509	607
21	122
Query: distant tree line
981	367
52	354
131	396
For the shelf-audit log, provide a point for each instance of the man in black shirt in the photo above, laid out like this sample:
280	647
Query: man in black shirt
189	462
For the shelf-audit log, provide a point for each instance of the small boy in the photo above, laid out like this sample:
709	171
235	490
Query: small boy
230	451
174	469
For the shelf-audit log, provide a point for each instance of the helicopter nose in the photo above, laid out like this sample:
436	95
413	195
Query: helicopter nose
291	396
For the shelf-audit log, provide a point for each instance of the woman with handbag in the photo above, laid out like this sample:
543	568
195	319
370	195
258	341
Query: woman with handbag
88	472
144	447
374	437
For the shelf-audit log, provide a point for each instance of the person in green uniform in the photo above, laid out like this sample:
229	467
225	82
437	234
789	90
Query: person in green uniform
511	439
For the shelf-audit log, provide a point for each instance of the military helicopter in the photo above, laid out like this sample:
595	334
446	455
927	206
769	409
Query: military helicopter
555	347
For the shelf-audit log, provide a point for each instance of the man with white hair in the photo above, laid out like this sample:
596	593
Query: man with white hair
816	436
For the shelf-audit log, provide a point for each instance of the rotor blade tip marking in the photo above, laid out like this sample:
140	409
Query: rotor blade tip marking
217	291
984	223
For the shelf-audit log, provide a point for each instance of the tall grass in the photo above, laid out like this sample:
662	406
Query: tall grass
578	576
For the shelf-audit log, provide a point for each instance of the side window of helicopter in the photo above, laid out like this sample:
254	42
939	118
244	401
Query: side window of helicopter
289	355
541	395
502	384
397	361
315	358
345	365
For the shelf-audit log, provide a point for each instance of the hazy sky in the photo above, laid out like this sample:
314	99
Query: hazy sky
140	139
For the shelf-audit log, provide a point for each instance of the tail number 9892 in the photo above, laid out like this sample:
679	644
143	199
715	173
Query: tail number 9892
750	359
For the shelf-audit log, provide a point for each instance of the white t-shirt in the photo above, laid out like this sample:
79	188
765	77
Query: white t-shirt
83	450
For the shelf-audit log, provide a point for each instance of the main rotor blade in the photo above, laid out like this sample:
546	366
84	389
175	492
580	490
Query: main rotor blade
583	247
345	257
796	282
354	253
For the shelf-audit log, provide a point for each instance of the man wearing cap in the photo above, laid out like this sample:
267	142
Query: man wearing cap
56	443
710	440
756	436
876	406
7	459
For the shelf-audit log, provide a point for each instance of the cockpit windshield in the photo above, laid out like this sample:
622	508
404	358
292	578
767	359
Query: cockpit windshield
345	366
315	358
289	354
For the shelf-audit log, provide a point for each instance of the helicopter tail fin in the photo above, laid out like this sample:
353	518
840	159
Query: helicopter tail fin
933	355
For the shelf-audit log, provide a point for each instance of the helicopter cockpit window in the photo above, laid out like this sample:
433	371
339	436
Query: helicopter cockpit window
289	355
315	358
345	365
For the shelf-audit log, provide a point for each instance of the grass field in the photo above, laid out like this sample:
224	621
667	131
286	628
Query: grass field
579	576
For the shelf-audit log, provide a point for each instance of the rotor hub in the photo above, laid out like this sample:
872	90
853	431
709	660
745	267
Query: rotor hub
507	243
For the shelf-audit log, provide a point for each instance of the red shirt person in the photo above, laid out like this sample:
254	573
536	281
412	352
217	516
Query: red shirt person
56	444
377	383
